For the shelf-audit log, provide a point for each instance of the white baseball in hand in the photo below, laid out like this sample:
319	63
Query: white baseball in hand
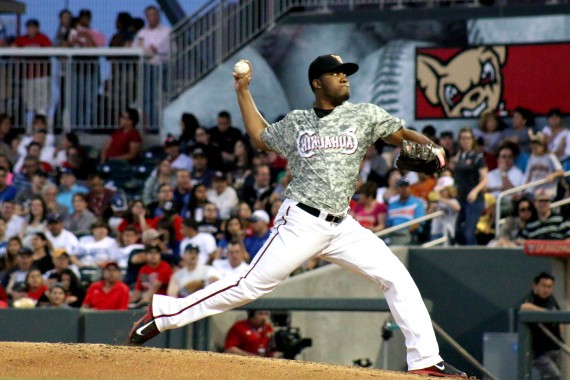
241	68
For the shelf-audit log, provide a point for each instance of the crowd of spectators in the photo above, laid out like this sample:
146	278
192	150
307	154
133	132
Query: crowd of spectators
84	91
207	200
110	227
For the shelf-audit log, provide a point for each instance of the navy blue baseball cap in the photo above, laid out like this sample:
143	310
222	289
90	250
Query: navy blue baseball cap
65	170
327	64
119	203
403	182
53	217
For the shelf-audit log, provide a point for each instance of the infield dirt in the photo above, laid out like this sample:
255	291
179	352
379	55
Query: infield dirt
98	361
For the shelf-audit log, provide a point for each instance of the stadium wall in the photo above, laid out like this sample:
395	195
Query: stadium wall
385	51
472	291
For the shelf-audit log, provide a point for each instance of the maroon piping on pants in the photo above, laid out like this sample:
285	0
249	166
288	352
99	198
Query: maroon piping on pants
237	283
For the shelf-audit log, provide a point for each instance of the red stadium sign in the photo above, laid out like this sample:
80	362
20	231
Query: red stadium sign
550	248
464	83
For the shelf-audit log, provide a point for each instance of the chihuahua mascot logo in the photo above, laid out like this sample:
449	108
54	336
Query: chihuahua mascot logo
467	85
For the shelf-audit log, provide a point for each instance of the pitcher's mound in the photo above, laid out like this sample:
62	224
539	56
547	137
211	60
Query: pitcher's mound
98	361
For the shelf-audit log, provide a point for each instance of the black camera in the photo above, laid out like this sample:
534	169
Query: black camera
288	339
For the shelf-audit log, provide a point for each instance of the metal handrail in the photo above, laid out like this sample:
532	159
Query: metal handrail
462	351
527	317
430	216
433	243
219	28
71	52
515	190
86	87
424	218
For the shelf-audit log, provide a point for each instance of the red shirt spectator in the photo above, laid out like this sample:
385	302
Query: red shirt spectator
367	211
3	295
125	143
252	336
120	141
176	222
148	276
153	277
110	293
100	298
38	67
36	294
99	197
370	218
35	283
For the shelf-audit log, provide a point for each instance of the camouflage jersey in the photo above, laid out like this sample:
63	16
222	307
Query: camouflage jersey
325	154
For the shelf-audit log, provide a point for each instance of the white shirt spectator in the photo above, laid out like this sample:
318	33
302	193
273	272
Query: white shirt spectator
494	179
539	167
95	253
224	267
124	253
380	196
26	140
205	242
157	37
557	141
225	202
47	155
202	272
182	162
445	224
65	240
14	226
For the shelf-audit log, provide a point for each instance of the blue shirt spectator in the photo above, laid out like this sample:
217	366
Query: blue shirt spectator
201	173
406	207
403	209
68	188
23	180
7	192
260	226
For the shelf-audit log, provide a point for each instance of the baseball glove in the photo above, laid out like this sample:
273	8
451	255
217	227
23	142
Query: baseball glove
423	158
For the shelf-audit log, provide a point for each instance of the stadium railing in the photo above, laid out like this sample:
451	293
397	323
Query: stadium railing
80	89
515	190
218	29
433	215
526	318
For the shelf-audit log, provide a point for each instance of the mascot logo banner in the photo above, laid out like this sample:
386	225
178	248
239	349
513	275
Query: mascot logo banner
465	83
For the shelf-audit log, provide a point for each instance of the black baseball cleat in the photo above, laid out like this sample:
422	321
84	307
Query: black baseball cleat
144	329
441	369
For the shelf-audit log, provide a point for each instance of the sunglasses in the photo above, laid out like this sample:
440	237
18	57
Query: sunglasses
524	209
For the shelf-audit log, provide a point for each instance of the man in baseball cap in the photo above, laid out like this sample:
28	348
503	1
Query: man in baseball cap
325	167
329	63
260	226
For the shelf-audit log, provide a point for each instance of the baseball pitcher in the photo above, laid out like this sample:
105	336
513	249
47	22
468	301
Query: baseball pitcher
324	147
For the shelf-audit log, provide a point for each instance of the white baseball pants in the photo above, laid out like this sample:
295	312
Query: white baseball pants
296	237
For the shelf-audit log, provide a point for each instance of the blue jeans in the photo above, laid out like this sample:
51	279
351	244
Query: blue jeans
549	365
467	222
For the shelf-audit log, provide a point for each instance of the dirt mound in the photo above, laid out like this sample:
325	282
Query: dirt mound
98	361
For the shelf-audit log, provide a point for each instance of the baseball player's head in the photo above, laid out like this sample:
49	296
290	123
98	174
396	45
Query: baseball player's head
328	78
